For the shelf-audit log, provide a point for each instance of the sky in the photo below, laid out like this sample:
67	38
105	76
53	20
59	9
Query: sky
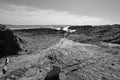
59	12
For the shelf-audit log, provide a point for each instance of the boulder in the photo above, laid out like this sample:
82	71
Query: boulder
9	42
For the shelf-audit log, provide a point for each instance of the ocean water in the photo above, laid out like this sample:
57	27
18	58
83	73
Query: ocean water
14	27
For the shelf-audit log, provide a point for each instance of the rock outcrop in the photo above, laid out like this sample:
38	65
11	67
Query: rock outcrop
104	33
80	61
75	61
9	42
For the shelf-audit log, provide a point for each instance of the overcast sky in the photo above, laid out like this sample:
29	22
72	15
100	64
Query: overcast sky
36	12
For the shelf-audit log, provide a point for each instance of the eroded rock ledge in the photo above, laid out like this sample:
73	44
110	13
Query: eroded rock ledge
76	61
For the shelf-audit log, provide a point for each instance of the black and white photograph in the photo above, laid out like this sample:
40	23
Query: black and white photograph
59	39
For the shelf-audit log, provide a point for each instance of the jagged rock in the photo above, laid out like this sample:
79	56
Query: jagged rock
9	42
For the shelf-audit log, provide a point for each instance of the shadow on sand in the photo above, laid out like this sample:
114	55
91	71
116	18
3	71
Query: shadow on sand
53	74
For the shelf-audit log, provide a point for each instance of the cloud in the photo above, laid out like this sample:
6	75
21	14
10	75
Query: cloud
13	14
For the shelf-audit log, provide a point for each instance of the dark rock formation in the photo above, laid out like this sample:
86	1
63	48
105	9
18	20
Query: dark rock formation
9	43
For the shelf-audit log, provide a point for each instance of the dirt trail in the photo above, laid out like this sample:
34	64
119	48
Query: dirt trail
70	56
